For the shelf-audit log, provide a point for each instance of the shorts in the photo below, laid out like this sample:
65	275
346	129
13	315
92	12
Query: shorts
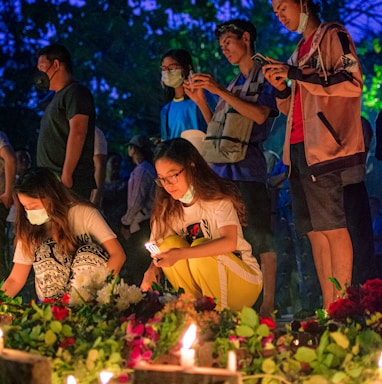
258	209
317	202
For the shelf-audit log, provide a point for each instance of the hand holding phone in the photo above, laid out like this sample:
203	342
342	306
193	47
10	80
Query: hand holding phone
260	60
153	249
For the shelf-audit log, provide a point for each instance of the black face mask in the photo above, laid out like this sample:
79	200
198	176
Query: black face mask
42	81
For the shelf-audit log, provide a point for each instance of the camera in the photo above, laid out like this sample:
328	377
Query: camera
260	60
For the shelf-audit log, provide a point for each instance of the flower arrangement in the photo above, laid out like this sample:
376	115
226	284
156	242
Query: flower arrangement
104	324
82	333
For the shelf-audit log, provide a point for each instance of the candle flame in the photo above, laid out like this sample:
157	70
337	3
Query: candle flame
1	333
380	362
71	380
189	337
105	377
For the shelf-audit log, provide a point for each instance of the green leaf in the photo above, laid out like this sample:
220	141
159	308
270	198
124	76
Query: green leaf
356	371
336	283
249	317
36	331
336	350
263	330
340	339
268	366
50	337
48	313
67	330
316	380
244	331
56	326
339	377
305	354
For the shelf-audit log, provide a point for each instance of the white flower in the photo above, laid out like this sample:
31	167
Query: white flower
104	294
77	295
99	276
135	294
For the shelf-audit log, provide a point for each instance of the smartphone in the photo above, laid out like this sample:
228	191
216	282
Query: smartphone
190	74
152	248
260	60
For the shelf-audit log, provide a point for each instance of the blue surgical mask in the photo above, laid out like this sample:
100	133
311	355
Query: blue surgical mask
37	216
188	196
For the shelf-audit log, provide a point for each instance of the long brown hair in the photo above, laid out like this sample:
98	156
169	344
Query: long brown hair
207	184
41	183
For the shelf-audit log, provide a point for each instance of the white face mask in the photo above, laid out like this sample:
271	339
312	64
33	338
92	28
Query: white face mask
173	78
303	20
37	216
188	196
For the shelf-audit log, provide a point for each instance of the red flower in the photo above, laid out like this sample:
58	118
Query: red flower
311	326
65	299
204	303
354	294
67	342
123	378
60	313
269	322
372	303
372	285
341	309
49	301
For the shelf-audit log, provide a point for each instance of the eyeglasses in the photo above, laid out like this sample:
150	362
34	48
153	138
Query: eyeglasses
229	28
173	179
171	68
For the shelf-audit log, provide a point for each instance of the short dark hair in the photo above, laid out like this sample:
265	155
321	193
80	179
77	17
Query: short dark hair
59	52
314	7
238	27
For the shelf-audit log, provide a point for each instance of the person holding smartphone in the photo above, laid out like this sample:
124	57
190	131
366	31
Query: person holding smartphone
197	222
323	134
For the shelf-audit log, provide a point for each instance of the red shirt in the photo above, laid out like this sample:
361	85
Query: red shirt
297	134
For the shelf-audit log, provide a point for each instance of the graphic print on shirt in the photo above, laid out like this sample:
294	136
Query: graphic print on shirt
197	231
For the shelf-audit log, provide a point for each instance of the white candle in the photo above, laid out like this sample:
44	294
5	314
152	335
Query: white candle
187	354
71	380
105	377
1	341
231	361
187	357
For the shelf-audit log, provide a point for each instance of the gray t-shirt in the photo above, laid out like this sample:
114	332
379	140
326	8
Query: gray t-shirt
72	100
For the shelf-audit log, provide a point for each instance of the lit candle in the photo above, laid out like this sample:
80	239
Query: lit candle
187	354
105	377
231	361
71	380
1	341
380	367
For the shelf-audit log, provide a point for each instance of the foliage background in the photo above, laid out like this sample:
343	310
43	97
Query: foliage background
117	45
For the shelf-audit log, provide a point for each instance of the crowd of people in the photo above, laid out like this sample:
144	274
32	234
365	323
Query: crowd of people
220	220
